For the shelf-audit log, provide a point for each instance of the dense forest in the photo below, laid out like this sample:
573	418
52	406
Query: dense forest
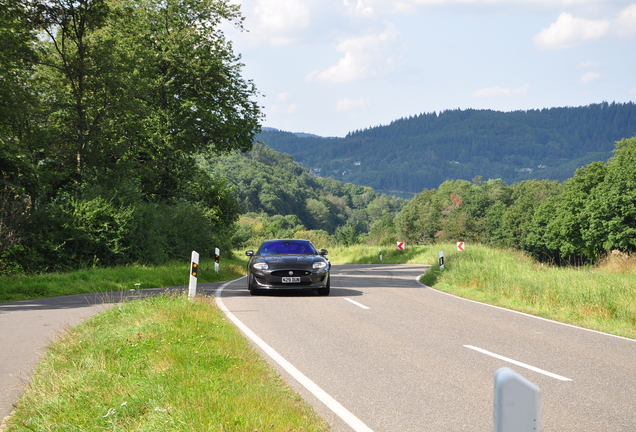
425	150
280	198
573	222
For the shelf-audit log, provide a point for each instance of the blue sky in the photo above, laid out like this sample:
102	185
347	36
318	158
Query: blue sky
331	67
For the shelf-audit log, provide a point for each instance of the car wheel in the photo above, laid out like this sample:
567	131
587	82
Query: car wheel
250	287
325	291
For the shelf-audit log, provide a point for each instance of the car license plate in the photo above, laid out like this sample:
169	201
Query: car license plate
291	280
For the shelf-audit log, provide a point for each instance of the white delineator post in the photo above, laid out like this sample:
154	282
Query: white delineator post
194	273
217	252
517	403
441	260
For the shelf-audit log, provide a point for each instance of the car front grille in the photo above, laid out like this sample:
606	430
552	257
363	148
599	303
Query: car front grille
285	273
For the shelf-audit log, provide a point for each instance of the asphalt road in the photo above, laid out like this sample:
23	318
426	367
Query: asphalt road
400	356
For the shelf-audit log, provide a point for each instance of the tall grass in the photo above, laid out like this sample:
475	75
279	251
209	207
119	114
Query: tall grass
601	298
159	364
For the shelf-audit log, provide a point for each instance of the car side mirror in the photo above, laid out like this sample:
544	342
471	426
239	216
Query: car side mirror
324	252
249	253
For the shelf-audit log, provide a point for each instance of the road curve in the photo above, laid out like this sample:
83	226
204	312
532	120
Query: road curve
403	357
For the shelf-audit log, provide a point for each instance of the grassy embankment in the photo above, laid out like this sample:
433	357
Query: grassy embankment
171	364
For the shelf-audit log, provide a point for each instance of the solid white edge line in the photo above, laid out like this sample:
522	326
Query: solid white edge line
355	423
523	313
518	363
356	303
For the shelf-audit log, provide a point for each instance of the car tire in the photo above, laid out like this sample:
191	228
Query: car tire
325	291
250	287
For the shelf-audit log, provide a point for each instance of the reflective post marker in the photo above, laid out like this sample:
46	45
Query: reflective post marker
217	252
517	403
441	260
194	273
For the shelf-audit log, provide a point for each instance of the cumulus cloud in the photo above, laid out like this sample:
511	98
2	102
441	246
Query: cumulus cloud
363	56
359	8
502	92
568	31
347	104
278	21
626	21
590	77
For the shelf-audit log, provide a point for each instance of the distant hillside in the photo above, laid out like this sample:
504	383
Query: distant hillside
267	182
423	151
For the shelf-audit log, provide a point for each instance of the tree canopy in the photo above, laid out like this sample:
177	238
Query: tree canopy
105	107
574	222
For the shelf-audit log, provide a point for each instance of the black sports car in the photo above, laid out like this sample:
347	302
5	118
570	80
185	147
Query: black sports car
288	264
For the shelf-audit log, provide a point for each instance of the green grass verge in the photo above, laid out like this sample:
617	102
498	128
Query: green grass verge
600	297
161	364
91	280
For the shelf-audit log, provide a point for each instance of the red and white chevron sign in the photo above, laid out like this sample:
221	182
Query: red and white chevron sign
460	246
401	245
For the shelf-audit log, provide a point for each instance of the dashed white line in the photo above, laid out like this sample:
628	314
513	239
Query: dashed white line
518	363
356	303
356	424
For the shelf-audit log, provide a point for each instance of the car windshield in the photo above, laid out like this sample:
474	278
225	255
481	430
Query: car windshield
287	247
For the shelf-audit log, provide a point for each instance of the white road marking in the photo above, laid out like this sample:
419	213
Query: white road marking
355	423
356	303
515	362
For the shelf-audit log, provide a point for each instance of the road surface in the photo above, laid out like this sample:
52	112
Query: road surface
400	356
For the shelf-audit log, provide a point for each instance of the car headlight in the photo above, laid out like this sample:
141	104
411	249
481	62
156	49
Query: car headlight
261	266
319	265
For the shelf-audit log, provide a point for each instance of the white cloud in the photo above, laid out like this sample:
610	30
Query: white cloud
278	21
590	77
364	56
347	104
360	8
626	21
568	31
502	92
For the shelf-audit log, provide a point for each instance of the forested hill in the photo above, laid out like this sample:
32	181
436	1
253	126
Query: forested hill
423	151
